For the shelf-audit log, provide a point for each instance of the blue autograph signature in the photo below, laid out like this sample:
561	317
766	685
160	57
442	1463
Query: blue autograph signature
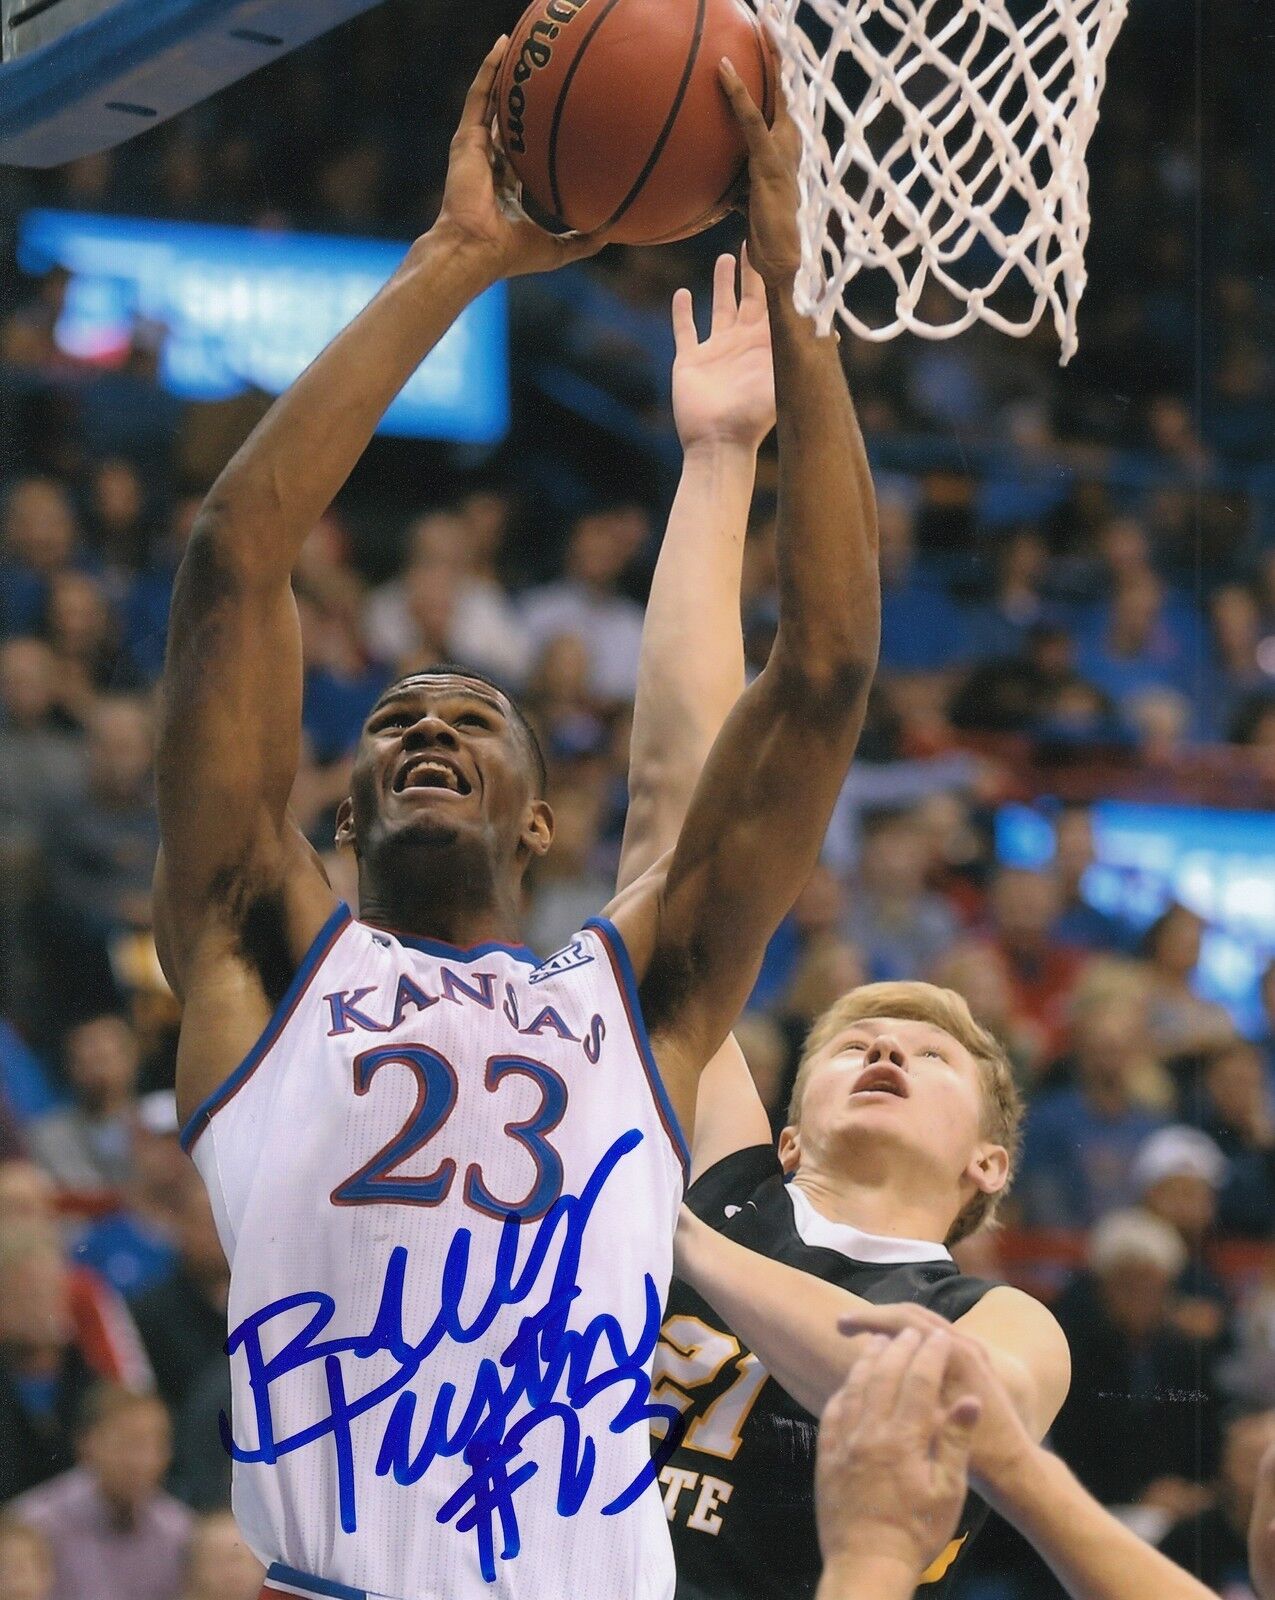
543	1371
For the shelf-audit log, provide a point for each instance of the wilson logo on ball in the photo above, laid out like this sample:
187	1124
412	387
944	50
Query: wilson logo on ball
536	53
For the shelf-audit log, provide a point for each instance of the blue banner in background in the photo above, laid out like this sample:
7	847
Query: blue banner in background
235	308
1219	864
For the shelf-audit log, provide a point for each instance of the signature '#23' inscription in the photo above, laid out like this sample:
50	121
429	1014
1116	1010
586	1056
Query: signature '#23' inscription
543	1375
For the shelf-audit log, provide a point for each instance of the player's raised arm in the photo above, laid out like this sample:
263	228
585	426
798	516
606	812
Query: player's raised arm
759	813
791	1319
692	666
237	883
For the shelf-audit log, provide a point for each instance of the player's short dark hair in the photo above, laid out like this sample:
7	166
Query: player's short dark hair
454	669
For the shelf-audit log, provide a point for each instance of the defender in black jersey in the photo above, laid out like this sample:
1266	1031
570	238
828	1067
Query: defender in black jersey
739	1490
904	1113
900	1138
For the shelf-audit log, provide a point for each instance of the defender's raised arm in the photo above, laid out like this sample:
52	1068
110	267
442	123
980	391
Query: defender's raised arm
697	933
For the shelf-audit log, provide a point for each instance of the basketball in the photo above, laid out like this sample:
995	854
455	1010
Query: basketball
612	116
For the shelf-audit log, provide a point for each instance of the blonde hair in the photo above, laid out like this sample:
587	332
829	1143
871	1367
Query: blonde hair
946	1010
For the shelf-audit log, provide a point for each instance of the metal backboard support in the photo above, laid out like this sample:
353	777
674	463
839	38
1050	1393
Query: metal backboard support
79	76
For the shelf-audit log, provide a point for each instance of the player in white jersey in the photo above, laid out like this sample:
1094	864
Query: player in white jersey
446	1177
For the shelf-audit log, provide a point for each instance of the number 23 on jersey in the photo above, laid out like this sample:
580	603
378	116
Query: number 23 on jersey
379	1182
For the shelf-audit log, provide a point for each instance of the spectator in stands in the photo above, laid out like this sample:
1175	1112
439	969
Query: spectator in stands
1002	623
431	590
1213	1544
586	602
1078	922
1253	727
27	1194
559	696
390	633
41	762
44	1377
220	1565
341	684
182	1320
978	973
1248	1373
201	1470
118	519
1234	1107
1080	1141
88	1146
815	921
84	634
570	889
1123	552
922	629
101	846
1130	644
489	632
1126	1441
26	338
101	1327
1240	667
1160	723
827	967
113	1531
38	537
900	926
25	1086
1176	1177
1025	906
135	1247
148	595
1180	1022
26	1562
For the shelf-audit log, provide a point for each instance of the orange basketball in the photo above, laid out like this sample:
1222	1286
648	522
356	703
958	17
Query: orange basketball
612	115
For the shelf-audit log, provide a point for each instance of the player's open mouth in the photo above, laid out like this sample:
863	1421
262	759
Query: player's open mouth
432	772
882	1079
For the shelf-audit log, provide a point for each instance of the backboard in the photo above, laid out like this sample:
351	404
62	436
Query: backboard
79	76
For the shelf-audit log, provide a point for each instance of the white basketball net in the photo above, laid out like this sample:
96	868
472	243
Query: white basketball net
948	155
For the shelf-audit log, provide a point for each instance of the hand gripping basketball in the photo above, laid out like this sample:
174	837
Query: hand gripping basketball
774	243
471	214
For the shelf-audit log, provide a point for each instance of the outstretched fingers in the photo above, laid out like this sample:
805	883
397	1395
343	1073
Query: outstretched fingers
478	101
725	308
746	111
685	335
752	287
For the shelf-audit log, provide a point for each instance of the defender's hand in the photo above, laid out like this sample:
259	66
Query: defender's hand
891	1472
471	218
1001	1443
774	243
724	389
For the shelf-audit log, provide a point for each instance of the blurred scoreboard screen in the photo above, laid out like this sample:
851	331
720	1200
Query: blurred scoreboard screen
1220	864
232	309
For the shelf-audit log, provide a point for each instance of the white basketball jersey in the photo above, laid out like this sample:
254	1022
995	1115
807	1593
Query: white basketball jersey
431	1400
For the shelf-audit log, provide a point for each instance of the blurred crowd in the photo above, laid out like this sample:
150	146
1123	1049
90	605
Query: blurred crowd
1088	576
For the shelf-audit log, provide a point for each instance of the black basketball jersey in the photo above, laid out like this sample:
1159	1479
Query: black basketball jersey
739	1489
